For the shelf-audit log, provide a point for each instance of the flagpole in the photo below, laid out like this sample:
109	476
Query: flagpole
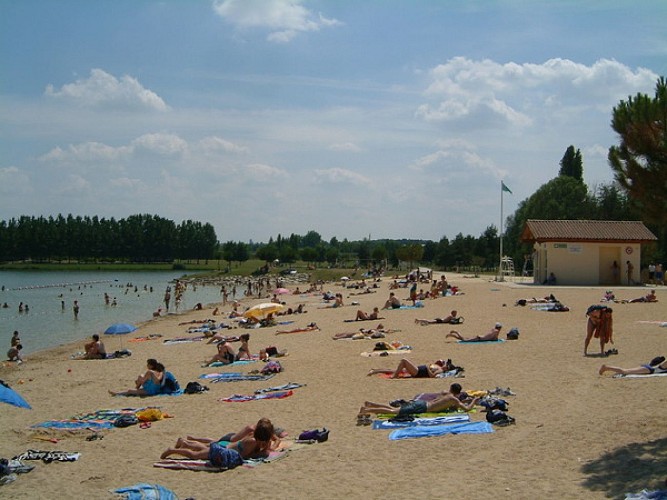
500	263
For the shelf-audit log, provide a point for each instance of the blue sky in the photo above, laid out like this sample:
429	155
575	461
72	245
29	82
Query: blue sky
382	117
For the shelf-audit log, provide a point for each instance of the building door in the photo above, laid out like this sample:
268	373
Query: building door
607	274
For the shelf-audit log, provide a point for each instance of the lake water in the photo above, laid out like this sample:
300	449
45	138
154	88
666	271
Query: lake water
48	324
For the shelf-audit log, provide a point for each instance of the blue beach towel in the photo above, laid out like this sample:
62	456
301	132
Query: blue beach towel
480	341
439	430
422	421
145	491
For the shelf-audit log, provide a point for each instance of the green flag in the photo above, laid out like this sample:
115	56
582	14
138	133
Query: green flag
505	188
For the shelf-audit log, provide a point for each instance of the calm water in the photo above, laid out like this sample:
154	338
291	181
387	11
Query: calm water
47	324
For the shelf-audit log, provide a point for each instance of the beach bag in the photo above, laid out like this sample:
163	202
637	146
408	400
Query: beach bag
494	404
126	421
272	367
194	388
315	435
499	417
513	334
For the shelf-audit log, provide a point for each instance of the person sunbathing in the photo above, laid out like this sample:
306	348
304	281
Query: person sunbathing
148	384
225	355
309	328
447	401
487	337
365	333
405	366
364	316
392	302
650	297
452	318
95	349
656	365
250	442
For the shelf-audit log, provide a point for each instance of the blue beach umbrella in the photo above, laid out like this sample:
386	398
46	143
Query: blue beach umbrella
10	396
120	329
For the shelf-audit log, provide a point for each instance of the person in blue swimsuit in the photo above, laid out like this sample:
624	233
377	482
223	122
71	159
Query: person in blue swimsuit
656	365
148	384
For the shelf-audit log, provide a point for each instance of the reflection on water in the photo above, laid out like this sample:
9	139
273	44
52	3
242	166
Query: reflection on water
47	298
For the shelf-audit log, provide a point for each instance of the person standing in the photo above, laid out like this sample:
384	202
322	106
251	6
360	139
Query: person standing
615	273
75	309
651	272
630	269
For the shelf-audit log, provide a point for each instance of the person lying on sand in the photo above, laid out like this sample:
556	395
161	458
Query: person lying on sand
447	401
251	442
309	328
650	297
413	370
549	298
487	337
364	316
365	333
452	318
656	365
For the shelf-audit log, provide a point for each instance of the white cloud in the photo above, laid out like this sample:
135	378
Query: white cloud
492	94
14	181
103	90
214	144
341	176
75	185
261	172
125	182
87	151
345	146
285	18
160	143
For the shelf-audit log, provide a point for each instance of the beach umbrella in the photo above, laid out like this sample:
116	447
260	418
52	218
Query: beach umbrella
281	291
120	329
10	396
261	310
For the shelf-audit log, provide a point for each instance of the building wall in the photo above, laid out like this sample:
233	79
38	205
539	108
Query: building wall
585	263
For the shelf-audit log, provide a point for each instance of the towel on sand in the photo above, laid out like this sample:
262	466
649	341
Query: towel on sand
421	421
145	491
439	430
480	341
242	398
639	375
235	376
205	465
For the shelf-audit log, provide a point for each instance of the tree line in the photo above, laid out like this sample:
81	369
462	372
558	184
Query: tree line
137	238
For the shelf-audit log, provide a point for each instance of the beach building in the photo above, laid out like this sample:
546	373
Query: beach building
586	252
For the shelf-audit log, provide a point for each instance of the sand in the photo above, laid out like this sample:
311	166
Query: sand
577	434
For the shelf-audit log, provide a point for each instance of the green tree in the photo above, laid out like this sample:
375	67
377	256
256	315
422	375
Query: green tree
639	162
572	164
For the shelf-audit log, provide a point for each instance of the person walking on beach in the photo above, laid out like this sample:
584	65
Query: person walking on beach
75	309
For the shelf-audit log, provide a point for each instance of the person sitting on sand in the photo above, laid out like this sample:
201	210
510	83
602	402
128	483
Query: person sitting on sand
14	353
452	318
225	355
311	327
599	325
447	401
246	445
148	384
392	302
364	316
656	365
244	349
413	370
95	349
487	337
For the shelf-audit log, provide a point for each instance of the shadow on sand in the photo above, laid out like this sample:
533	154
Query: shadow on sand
628	469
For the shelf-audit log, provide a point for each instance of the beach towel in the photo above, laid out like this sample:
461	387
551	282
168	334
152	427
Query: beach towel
637	375
48	456
372	354
647	495
235	377
100	419
205	465
183	340
421	421
440	430
242	398
240	362
480	341
285	387
145	491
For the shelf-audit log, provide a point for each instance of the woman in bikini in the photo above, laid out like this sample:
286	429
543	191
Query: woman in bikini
413	370
656	365
244	349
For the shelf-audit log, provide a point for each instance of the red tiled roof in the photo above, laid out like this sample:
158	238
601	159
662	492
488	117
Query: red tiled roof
586	230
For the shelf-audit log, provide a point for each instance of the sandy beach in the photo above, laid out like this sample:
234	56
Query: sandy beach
577	434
